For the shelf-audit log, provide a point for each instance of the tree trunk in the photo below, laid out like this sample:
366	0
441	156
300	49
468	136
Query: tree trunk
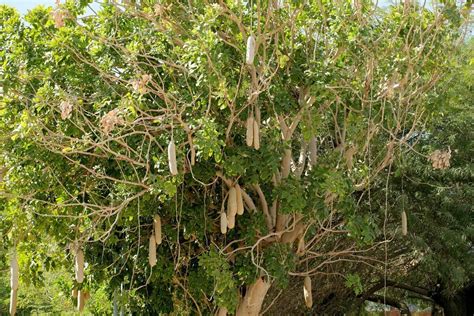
252	302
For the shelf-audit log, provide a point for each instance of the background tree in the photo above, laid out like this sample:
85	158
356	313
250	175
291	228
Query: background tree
432	265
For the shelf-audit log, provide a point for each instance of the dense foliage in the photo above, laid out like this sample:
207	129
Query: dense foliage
341	93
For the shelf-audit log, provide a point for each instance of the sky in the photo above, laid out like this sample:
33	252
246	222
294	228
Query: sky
24	5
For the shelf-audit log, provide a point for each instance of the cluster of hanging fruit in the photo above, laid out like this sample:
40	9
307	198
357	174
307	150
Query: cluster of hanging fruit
155	240
81	295
235	206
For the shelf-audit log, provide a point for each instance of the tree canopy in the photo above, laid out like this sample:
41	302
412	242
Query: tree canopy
254	146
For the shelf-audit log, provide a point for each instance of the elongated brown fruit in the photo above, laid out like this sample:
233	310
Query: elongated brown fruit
249	135
13	301
301	247
253	300
152	251
256	135
193	156
258	115
248	201
79	266
230	221
223	223
231	207
250	54
172	158
157	227
404	224
240	200
74	293
14	272
232	202
81	302
308	292
222	311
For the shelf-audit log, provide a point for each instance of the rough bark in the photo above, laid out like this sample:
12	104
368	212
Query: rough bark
252	302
